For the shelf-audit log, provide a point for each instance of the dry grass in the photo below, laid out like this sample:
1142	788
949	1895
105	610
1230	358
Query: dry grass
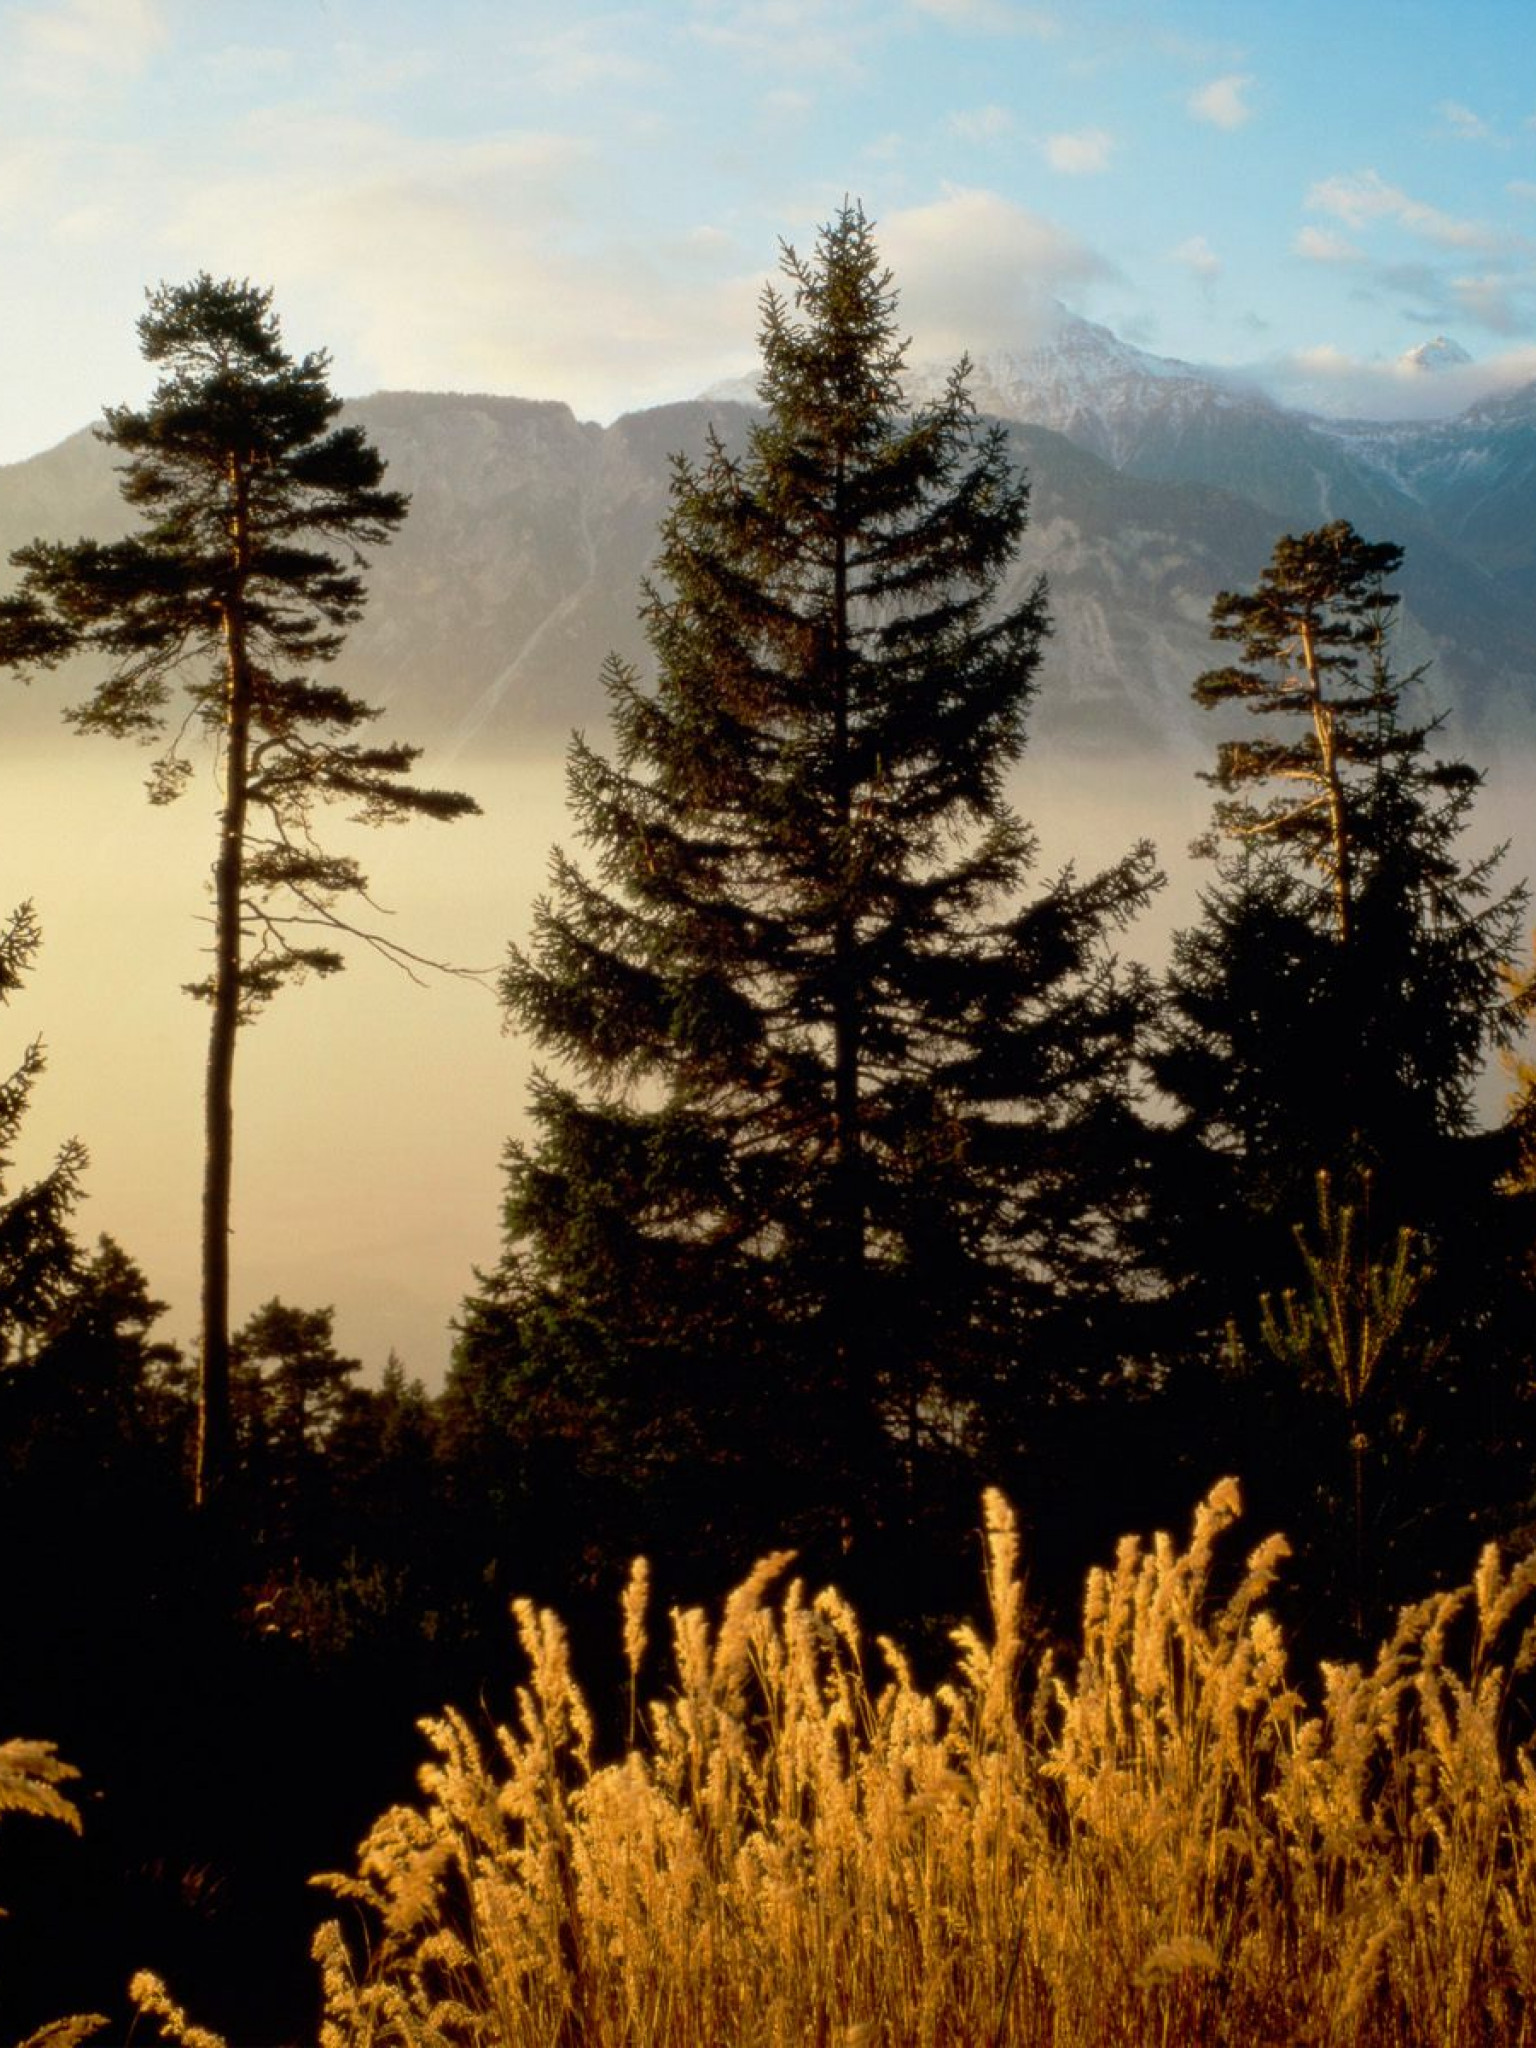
1162	1844
30	1776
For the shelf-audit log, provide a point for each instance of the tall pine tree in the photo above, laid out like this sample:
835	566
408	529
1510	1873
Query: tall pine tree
826	1197
1331	1013
236	588
1336	1005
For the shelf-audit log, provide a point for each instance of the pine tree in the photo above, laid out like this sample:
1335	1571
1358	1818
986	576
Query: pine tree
240	581
39	1259
1335	1008
836	1163
291	1391
1332	1011
1314	634
94	1419
298	1381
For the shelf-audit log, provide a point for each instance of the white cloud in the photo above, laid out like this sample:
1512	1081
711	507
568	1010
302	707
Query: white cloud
28	175
801	38
80	44
246	62
585	55
1328	380
1221	103
485	266
1468	126
1492	302
1321	245
1087	151
87	225
1196	254
975	271
1367	197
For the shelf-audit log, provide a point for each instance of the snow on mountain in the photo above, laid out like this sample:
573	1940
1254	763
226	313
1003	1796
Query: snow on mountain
1467	481
1432	356
1159	416
1081	381
1459	494
1099	391
1155	483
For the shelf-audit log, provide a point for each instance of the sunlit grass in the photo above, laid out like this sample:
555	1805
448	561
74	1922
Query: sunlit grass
1159	1841
31	1774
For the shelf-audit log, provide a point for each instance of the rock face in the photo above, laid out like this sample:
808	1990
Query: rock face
1155	484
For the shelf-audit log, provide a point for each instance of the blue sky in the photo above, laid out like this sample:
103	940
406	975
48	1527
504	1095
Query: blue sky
583	201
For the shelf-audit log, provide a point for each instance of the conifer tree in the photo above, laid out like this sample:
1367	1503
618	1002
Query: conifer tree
835	1162
297	1379
1336	1005
238	584
39	1259
291	1389
1313	634
1331	1012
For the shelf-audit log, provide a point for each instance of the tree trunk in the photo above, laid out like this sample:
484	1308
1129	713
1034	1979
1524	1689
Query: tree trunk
215	1431
848	1402
847	1123
1338	817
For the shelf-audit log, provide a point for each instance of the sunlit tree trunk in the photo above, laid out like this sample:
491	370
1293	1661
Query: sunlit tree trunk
215	1436
1324	726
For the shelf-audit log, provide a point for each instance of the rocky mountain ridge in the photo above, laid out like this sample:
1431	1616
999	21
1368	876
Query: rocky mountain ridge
1155	484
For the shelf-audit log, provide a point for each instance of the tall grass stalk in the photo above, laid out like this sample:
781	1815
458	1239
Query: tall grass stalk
1158	1841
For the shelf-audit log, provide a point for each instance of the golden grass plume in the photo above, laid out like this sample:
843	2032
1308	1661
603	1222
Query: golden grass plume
1157	1840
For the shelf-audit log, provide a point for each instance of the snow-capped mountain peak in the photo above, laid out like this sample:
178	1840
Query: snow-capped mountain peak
1083	381
1078	378
1431	356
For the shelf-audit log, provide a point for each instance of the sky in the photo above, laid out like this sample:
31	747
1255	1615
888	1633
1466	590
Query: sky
563	199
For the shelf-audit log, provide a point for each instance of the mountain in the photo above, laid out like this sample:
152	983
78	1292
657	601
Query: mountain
1155	484
1099	391
1459	495
1431	357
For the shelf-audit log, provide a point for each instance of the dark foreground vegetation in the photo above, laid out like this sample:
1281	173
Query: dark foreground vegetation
862	1176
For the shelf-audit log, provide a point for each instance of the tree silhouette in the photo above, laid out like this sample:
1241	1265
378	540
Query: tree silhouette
238	585
39	1260
836	1171
1329	1015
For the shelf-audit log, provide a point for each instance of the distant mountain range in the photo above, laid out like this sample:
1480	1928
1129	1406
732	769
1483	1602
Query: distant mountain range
1154	484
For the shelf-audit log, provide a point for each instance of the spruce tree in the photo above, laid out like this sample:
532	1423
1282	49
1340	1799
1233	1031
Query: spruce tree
238	585
291	1390
826	1194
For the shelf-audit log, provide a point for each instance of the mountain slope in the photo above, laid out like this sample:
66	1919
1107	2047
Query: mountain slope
1155	485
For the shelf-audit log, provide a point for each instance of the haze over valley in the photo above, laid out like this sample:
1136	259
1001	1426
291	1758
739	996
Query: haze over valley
371	1112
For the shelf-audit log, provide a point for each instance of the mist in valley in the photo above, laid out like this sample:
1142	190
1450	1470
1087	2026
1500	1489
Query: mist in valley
371	1111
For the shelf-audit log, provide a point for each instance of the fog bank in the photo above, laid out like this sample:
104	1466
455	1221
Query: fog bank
372	1113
